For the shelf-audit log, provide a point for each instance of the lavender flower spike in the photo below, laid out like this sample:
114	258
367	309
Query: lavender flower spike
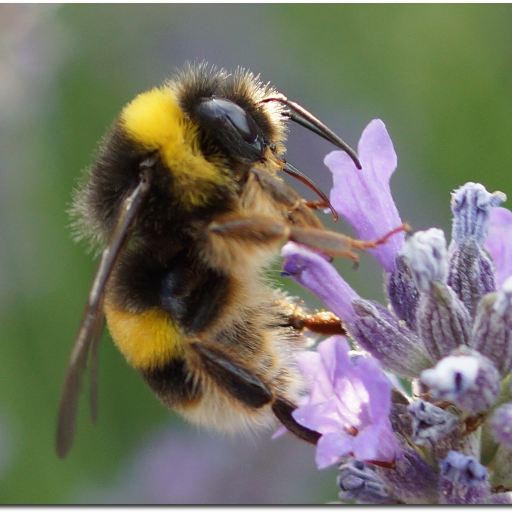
447	328
442	320
349	404
363	197
471	272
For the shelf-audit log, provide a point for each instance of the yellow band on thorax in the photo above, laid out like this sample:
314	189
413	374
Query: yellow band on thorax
155	121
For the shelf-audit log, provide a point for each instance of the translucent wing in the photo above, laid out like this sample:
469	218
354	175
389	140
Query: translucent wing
92	323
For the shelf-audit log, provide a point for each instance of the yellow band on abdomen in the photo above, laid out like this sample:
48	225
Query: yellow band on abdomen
147	340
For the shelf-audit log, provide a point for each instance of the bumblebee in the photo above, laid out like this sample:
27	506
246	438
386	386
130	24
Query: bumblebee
186	202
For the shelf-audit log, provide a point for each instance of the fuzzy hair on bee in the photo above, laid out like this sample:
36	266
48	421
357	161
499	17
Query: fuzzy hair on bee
186	203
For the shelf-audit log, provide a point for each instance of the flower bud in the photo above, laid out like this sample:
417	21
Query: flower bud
500	425
359	482
492	331
380	333
462	480
471	274
466	379
430	423
402	292
471	205
443	321
425	253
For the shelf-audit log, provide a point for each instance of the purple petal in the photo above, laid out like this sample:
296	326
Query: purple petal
377	442
331	447
378	386
363	197
323	417
366	444
313	369
499	243
310	364
349	405
312	271
334	353
376	151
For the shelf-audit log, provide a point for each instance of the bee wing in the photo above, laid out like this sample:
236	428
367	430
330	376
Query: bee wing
90	330
89	334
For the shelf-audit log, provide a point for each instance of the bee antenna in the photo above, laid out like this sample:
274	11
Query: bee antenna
306	119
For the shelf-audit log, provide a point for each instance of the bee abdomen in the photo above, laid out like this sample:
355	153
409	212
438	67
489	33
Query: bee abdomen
173	383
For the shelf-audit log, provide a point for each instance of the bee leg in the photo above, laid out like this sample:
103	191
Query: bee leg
260	230
323	322
283	409
336	244
250	390
239	382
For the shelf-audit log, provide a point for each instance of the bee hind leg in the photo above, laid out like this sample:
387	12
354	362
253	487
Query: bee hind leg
249	389
240	383
283	409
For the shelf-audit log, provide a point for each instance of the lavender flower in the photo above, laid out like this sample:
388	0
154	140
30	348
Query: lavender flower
447	328
349	404
363	197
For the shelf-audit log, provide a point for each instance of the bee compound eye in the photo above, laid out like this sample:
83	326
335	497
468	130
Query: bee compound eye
222	111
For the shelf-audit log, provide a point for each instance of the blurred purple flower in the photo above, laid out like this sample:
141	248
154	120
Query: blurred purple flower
349	404
179	465
499	243
363	197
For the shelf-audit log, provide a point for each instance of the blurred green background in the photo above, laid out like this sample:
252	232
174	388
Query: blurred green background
439	76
